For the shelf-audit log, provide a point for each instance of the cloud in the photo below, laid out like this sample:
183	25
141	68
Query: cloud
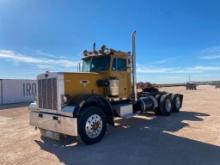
164	70
210	53
41	62
45	54
161	61
60	64
41	53
206	68
210	57
141	69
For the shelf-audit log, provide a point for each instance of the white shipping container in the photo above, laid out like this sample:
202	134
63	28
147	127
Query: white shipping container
18	91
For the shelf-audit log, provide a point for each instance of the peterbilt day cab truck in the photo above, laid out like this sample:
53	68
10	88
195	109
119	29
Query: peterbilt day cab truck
81	104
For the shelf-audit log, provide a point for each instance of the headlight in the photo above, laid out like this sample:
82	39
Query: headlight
65	99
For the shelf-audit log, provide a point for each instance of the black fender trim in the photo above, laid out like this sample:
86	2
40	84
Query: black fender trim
82	101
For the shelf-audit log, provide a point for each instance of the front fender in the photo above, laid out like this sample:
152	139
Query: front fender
82	101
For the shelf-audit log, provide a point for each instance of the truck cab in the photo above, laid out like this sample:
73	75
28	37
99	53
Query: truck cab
114	67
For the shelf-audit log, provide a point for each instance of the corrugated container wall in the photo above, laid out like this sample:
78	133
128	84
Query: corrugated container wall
1	91
17	91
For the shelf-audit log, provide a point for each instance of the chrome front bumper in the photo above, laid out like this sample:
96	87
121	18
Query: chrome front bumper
56	123
53	122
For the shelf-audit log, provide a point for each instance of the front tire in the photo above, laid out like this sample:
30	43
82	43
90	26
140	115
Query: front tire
92	125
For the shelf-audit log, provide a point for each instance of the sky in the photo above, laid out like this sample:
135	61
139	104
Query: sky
177	40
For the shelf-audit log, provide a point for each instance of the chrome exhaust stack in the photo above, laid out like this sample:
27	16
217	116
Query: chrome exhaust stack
133	53
79	67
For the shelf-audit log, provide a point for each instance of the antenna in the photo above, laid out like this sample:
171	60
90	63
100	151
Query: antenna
94	47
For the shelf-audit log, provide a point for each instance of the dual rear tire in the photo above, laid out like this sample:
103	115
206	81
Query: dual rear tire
176	102
164	105
168	103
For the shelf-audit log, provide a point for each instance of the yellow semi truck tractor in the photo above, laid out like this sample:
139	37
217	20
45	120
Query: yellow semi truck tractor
81	104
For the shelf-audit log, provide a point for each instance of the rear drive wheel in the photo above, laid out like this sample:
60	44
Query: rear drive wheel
92	125
176	102
157	110
165	105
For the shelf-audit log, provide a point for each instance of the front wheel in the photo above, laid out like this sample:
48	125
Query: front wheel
92	125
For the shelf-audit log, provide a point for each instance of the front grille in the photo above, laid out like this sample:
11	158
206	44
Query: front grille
47	93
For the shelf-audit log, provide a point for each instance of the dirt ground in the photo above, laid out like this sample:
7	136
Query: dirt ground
189	137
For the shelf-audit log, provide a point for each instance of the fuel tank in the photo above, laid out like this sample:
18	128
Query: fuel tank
144	104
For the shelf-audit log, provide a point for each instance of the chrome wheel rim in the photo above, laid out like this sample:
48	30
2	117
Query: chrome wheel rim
168	105
177	103
94	126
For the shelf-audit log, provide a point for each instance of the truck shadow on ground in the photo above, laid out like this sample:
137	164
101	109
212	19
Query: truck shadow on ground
143	140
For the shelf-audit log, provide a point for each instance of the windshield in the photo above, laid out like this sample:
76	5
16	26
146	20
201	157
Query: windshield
95	64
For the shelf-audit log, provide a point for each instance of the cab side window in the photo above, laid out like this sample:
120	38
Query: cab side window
119	64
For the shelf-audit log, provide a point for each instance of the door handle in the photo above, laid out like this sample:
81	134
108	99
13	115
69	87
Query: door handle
55	118
40	115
